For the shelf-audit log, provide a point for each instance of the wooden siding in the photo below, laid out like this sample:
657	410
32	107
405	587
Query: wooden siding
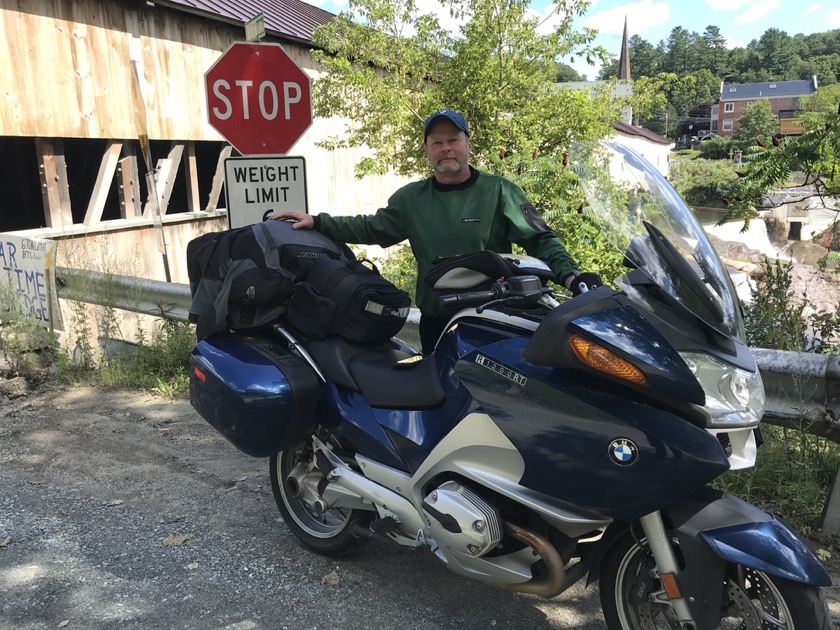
68	69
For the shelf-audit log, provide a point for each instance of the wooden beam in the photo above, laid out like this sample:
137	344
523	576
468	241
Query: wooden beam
107	168
55	188
128	176
165	174
218	178
191	173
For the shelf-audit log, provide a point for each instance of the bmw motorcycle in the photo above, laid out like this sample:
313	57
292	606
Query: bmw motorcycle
546	440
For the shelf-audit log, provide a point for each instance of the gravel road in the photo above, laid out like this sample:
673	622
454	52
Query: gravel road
120	509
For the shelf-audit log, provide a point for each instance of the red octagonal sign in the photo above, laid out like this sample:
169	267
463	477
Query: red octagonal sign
258	98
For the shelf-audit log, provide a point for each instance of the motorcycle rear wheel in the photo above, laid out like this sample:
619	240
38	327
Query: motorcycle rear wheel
329	533
753	600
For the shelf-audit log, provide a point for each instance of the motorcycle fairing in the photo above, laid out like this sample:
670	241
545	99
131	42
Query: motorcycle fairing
614	322
477	449
564	423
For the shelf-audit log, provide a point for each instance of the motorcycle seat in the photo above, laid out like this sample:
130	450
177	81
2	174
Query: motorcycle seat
375	372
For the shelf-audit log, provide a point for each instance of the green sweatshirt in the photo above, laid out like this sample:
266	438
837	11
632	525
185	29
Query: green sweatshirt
487	212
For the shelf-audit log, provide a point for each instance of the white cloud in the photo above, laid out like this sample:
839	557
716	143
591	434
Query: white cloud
757	11
727	5
641	16
833	18
813	9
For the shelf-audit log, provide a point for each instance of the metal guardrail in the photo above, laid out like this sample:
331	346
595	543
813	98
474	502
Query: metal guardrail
139	295
800	387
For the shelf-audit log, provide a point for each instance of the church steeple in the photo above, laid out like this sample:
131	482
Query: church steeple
624	58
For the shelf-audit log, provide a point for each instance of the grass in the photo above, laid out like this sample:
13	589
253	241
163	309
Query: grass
160	365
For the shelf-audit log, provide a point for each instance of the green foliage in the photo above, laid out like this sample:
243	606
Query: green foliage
400	267
554	191
703	182
717	148
770	321
756	124
27	347
24	342
387	67
159	364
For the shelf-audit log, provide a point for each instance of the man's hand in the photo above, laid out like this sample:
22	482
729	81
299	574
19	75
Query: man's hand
584	282
301	219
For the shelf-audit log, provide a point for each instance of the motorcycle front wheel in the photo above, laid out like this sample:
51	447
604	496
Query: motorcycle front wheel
329	533
752	600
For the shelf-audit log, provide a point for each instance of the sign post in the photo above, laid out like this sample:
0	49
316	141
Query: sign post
258	187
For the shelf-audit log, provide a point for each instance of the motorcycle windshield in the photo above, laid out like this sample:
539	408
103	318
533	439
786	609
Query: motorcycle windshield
644	217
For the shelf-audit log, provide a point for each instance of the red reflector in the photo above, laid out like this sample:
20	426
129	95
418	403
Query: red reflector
199	374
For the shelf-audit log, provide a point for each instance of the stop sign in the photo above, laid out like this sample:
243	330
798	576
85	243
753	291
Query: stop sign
258	98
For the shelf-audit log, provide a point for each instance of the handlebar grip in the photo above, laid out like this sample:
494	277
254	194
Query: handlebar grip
469	298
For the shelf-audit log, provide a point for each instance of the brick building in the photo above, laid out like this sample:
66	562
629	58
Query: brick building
784	97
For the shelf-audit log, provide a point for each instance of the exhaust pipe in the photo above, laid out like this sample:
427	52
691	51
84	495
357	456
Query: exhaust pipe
554	582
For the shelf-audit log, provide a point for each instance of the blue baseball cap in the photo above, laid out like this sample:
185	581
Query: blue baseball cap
454	117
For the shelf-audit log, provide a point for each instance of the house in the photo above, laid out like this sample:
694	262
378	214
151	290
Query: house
654	148
783	97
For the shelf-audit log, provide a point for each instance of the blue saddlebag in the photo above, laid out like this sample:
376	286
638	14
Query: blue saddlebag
256	393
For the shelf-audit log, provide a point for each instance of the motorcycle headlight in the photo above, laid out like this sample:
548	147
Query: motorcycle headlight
734	397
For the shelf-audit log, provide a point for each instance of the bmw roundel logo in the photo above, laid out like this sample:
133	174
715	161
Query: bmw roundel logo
623	452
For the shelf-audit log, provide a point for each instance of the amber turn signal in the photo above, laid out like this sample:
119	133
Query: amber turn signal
600	359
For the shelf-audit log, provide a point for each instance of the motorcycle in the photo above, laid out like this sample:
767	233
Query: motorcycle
546	440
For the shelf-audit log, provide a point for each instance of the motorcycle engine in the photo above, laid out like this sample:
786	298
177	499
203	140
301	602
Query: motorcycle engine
462	521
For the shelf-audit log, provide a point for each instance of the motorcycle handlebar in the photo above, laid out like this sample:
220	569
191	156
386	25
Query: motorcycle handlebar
470	298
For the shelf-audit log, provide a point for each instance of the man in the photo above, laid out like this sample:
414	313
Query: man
458	210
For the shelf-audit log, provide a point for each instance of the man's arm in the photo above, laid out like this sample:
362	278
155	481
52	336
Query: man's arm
527	228
385	228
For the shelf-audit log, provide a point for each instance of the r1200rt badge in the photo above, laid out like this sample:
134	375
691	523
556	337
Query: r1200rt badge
623	452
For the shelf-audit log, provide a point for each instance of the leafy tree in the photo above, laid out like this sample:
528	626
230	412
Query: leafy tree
825	67
564	73
745	64
714	53
694	89
703	182
386	75
650	95
645	59
609	69
757	125
825	100
775	49
681	56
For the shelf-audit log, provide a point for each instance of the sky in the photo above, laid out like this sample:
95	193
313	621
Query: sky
740	21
